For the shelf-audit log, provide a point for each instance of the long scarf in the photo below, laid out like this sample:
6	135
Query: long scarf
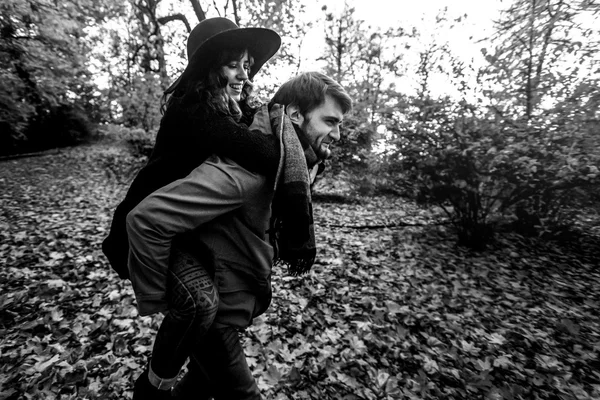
291	230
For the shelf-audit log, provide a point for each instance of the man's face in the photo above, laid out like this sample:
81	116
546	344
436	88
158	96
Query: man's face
322	126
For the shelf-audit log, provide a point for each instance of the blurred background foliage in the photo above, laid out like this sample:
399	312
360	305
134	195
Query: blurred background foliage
518	142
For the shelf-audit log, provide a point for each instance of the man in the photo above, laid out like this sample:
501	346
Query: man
227	209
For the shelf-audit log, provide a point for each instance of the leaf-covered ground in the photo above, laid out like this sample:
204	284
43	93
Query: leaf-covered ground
395	313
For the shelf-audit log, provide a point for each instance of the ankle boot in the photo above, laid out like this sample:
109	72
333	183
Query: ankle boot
143	389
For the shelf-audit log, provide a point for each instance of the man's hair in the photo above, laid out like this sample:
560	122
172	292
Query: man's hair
307	91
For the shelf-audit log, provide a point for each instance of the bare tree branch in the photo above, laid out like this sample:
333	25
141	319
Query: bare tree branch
175	17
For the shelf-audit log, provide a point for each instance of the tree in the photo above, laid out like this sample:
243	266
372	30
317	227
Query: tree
147	48
354	56
137	43
43	55
148	52
543	72
289	20
344	35
541	48
531	156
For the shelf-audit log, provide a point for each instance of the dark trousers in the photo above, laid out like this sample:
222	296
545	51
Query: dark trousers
193	304
218	369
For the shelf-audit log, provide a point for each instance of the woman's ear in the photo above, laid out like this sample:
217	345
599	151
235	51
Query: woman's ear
294	113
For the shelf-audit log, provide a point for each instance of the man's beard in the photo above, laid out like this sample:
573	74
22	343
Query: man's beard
306	141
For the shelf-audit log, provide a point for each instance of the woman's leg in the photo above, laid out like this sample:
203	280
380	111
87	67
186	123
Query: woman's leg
193	303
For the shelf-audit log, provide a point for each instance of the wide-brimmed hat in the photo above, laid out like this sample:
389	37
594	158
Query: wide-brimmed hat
213	34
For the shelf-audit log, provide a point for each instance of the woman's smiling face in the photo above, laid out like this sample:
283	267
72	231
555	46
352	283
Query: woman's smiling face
236	72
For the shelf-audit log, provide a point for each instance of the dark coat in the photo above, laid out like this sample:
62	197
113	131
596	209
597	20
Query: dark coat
182	144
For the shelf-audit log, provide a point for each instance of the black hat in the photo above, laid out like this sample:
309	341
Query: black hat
213	34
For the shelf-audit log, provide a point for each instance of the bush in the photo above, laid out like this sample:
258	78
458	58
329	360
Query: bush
64	125
24	129
141	103
364	185
14	117
10	139
139	141
353	151
479	168
60	126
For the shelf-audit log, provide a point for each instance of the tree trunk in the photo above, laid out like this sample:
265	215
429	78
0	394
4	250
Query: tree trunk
200	14
528	85
235	12
340	51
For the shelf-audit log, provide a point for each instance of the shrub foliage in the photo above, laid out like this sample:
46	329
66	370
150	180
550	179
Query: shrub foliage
479	166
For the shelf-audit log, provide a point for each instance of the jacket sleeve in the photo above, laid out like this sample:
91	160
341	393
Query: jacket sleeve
209	191
254	150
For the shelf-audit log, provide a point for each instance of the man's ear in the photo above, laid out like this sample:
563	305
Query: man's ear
294	113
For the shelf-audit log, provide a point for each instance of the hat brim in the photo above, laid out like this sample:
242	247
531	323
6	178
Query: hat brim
261	43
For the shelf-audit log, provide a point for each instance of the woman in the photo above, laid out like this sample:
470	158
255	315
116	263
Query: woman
204	114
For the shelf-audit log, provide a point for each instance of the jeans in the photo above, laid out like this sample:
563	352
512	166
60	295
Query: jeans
218	369
193	303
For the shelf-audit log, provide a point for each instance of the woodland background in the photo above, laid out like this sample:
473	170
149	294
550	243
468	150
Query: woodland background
460	231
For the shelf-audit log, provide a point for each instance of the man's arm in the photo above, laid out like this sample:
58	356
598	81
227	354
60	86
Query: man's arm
210	190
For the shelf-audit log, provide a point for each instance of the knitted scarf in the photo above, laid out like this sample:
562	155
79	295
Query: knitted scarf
291	230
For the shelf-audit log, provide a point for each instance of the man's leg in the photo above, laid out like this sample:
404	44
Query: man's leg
219	358
195	385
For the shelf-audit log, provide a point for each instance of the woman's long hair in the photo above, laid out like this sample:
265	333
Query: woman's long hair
204	92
